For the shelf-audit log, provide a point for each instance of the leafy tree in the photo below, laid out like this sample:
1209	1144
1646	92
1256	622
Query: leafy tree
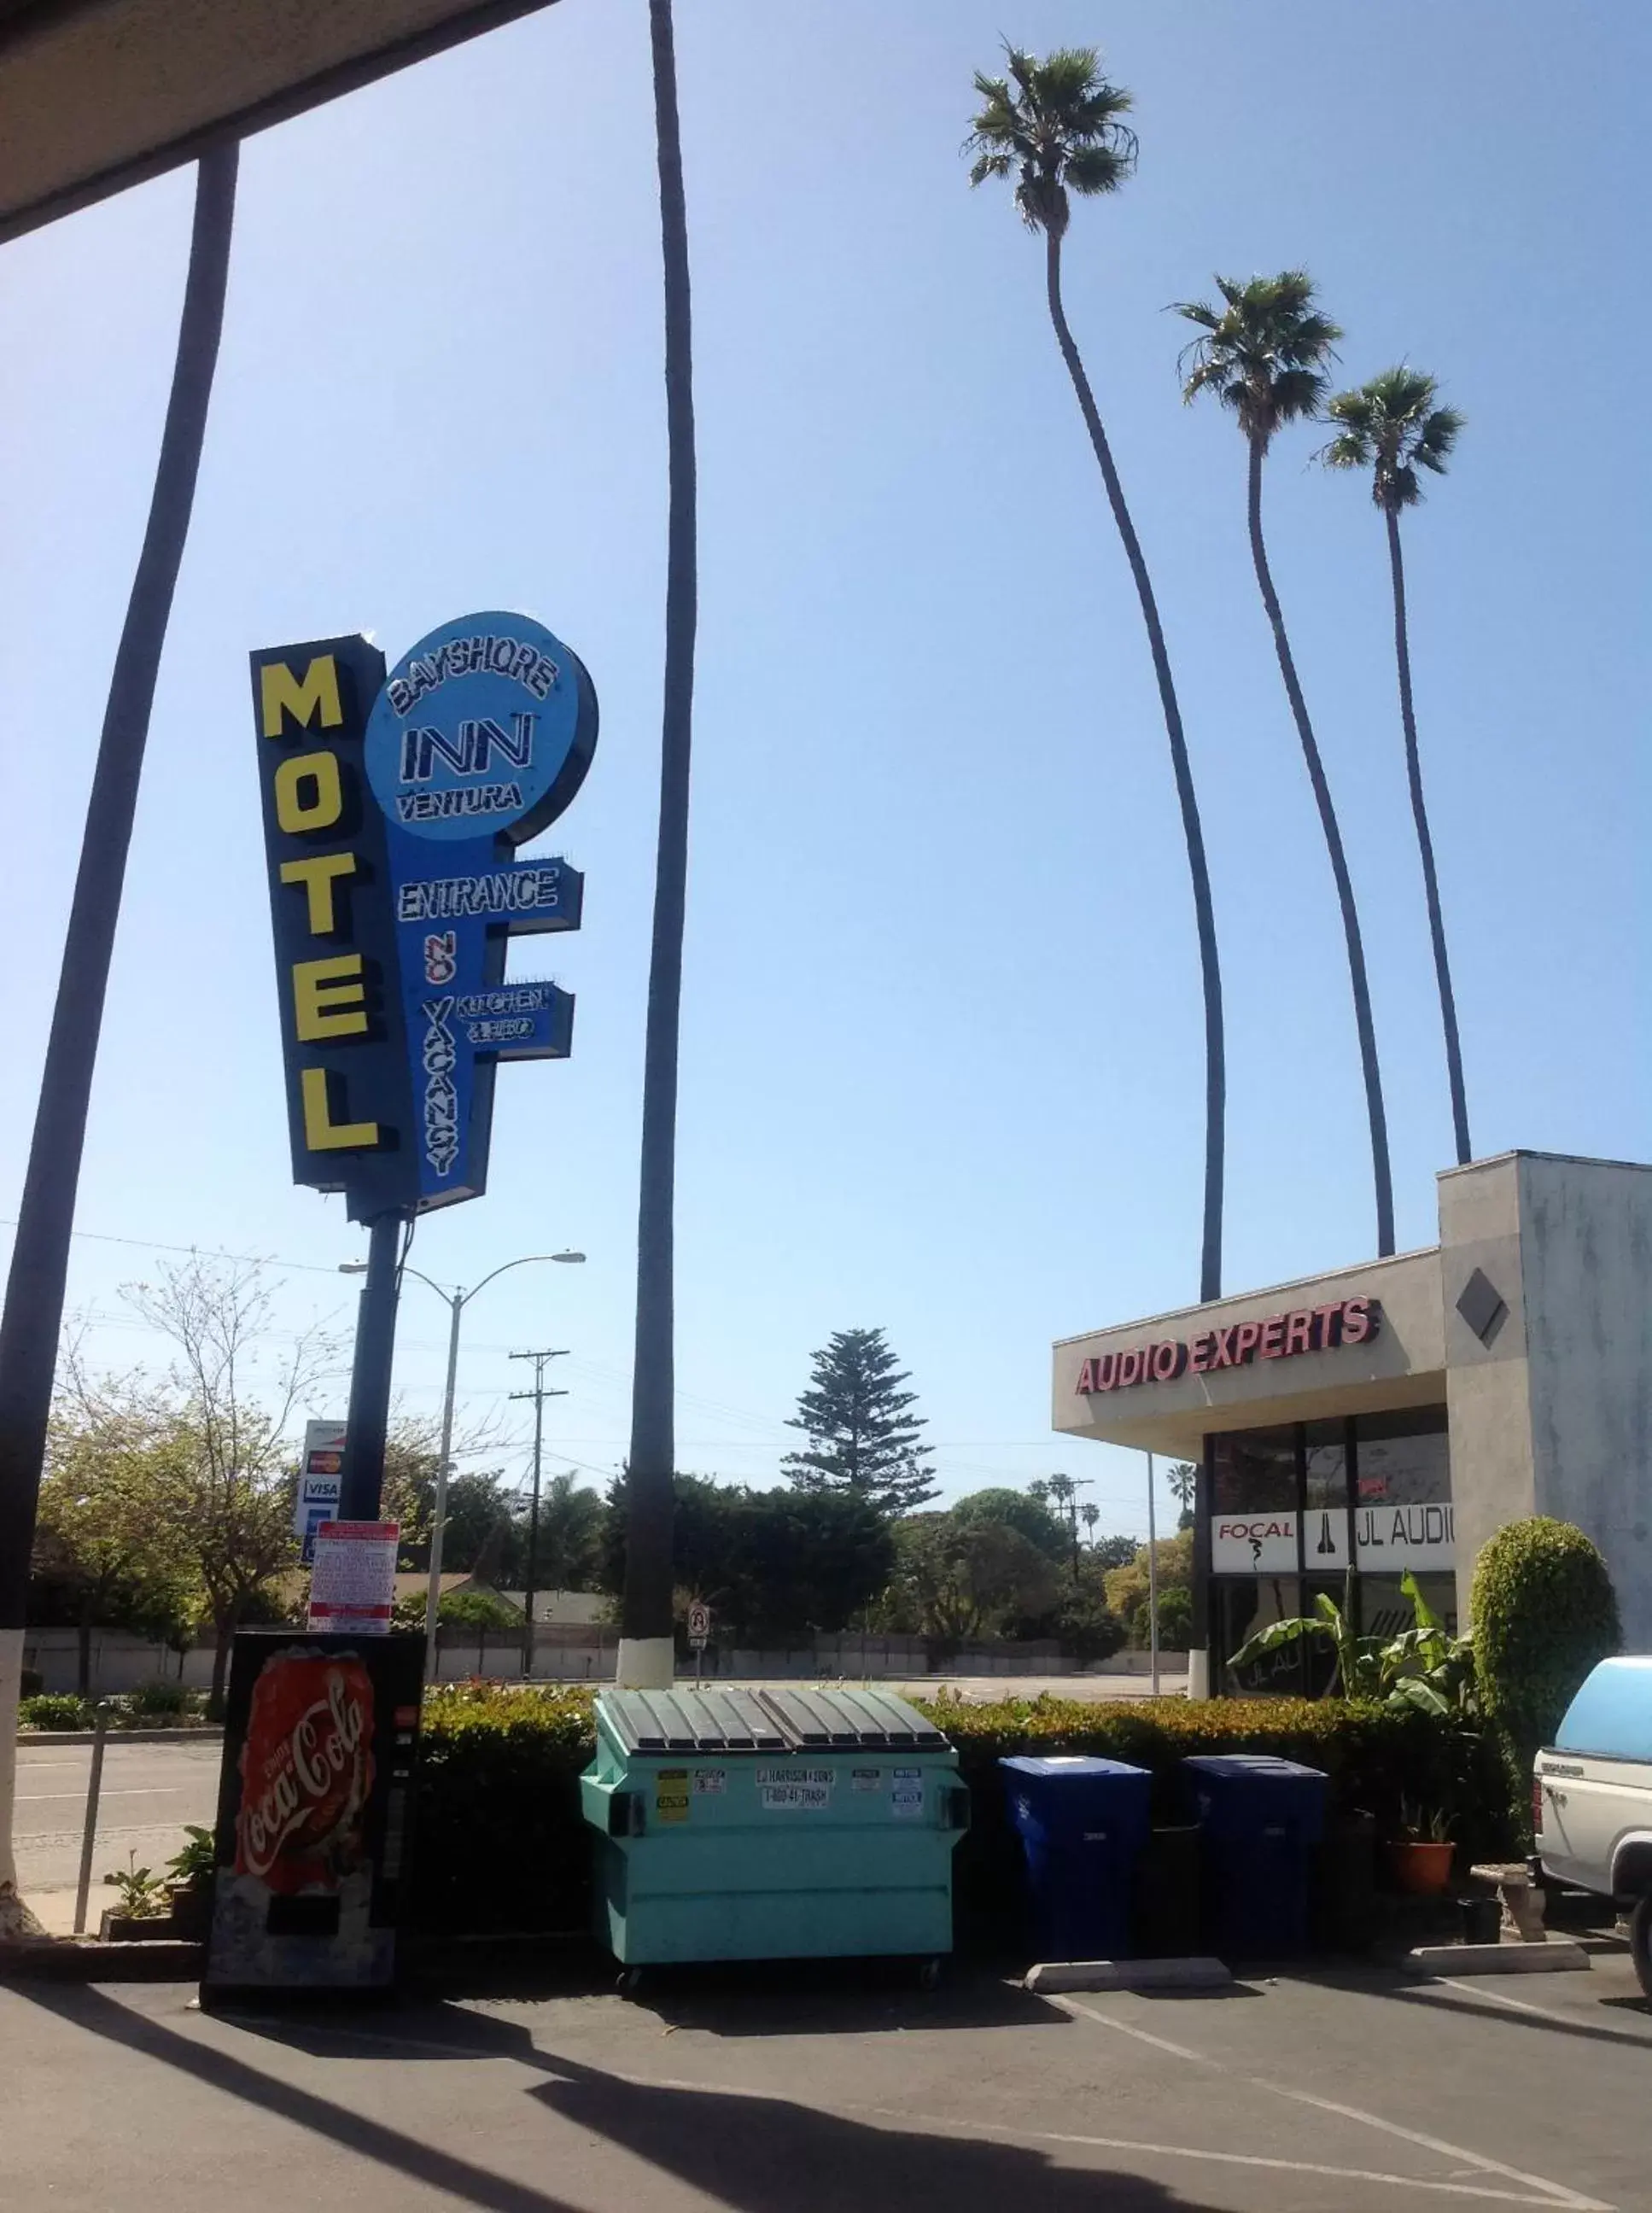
1393	427
1127	1586
224	1476
955	1580
1112	1551
461	1609
570	1534
1057	127
1175	1618
772	1564
104	1553
652	1461
862	1437
1024	1510
1262	354
1079	1621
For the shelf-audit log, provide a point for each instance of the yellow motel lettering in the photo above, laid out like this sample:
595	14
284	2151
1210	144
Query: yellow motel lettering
348	1101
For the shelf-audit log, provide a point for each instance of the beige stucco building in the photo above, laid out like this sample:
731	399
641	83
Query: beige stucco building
1392	1414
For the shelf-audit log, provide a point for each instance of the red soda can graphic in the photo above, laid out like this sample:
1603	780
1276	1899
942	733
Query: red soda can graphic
307	1772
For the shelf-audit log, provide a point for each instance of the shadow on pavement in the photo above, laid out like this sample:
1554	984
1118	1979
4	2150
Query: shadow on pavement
751	2154
834	1997
756	2155
1514	2016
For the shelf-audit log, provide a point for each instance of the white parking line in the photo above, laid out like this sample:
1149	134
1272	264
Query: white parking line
1553	2198
1555	2193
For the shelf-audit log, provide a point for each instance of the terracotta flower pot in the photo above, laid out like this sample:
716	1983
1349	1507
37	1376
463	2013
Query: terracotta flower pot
1421	1870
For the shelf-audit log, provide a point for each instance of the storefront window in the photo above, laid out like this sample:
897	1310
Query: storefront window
1326	1452
1243	1607
1280	1502
1255	1471
1404	1458
1386	1611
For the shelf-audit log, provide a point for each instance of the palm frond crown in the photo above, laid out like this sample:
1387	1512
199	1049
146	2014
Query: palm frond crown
1056	126
1263	352
1393	426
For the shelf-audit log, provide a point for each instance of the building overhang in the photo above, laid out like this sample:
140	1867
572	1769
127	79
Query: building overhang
98	94
1358	1341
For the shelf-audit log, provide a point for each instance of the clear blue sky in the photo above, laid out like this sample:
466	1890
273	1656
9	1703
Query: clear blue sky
941	1046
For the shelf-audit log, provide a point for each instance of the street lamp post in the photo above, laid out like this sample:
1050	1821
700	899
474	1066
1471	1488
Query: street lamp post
456	1301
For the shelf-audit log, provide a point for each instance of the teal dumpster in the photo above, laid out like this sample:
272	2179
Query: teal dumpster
794	1823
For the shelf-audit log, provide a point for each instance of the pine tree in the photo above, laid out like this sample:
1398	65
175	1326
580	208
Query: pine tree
861	1437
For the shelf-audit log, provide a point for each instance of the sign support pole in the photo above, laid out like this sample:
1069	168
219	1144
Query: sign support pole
1152	1579
369	1378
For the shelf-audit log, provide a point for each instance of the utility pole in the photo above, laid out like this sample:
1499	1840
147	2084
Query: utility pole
539	1394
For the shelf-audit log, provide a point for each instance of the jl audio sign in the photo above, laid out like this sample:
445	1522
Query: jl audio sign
392	811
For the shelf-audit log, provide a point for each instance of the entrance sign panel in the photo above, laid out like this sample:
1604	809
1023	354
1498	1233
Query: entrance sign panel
479	740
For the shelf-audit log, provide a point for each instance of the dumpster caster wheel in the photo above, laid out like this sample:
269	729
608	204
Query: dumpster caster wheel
929	1974
629	1981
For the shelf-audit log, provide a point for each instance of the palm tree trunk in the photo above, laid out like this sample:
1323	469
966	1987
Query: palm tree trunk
646	1609
1216	1078
39	1258
1425	846
1368	1051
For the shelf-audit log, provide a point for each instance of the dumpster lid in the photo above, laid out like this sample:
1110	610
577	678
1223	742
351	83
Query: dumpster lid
830	1715
690	1720
1070	1763
1231	1766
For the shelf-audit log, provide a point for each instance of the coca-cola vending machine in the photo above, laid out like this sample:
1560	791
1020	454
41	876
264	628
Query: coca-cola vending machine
320	1739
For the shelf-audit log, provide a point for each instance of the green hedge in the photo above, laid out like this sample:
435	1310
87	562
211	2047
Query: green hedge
501	1844
152	1705
1544	1611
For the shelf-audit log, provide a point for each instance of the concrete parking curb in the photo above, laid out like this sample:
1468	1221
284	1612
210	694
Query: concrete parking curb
1559	1956
1051	1977
83	1959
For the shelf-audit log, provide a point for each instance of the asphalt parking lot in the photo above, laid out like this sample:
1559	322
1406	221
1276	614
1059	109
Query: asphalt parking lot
816	2091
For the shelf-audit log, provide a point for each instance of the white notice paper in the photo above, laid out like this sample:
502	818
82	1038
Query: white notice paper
353	1586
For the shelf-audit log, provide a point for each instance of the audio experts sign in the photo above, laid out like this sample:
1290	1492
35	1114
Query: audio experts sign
392	813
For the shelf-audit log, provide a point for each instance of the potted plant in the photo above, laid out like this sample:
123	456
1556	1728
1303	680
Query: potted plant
1420	1856
189	1883
141	1914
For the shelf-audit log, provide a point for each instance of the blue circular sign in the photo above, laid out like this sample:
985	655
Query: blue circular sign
485	729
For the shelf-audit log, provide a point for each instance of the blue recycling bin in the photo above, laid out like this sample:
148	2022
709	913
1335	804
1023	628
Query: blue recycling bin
1259	1819
1082	1823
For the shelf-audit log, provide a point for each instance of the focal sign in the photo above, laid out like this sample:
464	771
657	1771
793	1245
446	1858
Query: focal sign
392	811
1277	1337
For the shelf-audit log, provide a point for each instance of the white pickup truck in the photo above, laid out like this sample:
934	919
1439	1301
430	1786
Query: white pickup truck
1592	1797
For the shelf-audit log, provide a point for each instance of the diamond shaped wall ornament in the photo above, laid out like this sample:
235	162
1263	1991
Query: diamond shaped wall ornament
1482	1306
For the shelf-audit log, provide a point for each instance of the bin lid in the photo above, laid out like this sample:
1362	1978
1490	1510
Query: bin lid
1244	1766
826	1715
689	1720
1056	1765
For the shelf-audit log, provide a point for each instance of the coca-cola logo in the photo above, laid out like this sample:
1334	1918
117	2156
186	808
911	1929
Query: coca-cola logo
322	1746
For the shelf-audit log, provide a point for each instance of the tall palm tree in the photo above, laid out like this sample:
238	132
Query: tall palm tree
46	1214
1057	127
1392	427
645	1620
1262	354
